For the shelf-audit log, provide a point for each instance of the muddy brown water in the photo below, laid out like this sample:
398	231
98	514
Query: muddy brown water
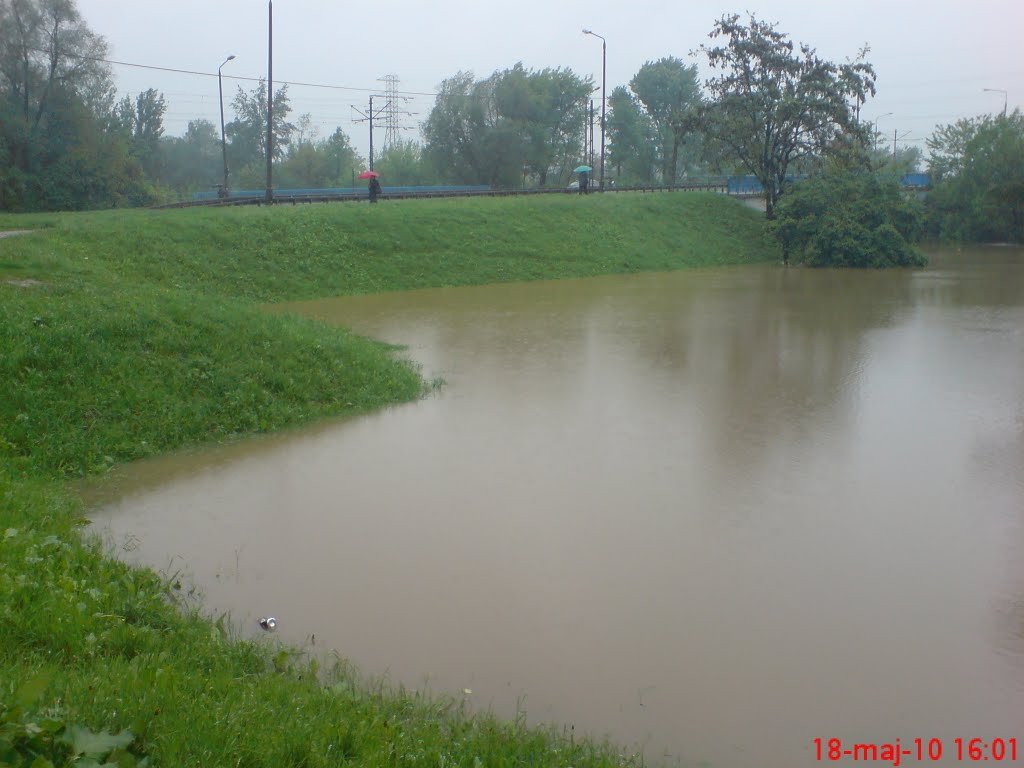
714	515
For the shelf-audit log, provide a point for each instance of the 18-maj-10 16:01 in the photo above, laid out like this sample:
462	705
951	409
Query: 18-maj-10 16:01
972	750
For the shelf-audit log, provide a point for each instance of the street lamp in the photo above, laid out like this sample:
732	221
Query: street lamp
998	90
223	140
604	70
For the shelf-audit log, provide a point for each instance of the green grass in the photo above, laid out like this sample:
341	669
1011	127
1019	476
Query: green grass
145	334
299	252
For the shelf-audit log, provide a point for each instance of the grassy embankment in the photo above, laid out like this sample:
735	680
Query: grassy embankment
126	334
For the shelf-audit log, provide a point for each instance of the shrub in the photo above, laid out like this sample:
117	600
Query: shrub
844	218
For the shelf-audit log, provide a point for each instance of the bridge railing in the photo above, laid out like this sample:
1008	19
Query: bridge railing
339	194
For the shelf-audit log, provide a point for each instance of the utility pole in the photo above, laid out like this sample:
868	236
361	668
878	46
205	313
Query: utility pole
370	116
895	139
270	101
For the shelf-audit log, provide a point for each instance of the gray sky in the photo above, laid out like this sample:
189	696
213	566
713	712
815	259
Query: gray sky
933	59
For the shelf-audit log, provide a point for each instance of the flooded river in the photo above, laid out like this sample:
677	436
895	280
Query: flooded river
714	515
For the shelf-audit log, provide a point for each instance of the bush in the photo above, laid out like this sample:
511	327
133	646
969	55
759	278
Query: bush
845	218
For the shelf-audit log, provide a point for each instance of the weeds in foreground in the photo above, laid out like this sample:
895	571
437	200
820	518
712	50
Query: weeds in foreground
35	740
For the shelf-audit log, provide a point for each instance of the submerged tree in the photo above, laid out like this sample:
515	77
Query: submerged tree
844	217
773	105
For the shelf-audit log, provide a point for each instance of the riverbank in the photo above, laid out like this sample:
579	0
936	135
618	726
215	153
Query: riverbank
134	333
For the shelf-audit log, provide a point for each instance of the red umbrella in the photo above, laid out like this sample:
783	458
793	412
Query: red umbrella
368	175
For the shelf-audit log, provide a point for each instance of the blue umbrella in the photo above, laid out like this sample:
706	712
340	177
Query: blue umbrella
583	169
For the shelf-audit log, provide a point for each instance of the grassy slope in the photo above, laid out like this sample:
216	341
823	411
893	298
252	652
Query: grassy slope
315	251
145	336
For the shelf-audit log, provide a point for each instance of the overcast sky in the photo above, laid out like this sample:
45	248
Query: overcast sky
933	59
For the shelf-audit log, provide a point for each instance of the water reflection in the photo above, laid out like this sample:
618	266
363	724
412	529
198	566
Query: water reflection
716	514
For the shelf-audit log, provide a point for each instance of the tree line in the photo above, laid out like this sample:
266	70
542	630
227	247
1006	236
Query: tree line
772	109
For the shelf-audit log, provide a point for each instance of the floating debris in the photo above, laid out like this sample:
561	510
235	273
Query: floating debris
269	623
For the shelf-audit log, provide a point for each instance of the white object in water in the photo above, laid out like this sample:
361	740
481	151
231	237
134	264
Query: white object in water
269	623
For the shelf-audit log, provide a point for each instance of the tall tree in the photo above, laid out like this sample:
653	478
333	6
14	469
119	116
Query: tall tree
192	162
248	131
948	146
632	140
453	132
545	110
515	123
51	75
773	105
670	93
147	128
977	167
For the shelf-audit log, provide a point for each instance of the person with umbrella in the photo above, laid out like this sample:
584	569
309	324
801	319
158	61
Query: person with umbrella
374	187
584	172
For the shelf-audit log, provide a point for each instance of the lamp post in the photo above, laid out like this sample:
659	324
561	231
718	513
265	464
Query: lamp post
223	139
604	70
998	90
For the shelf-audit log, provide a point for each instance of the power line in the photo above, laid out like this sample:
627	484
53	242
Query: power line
232	77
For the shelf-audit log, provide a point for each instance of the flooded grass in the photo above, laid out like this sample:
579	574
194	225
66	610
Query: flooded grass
143	335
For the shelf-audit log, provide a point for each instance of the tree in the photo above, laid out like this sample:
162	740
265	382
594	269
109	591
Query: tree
143	120
849	218
305	131
772	106
977	168
402	164
342	158
947	147
548	113
192	162
670	93
454	129
313	164
632	140
515	123
86	165
248	131
51	77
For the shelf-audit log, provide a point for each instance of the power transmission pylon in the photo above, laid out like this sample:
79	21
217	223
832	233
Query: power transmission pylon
392	113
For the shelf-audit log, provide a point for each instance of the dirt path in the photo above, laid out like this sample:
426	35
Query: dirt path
13	232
